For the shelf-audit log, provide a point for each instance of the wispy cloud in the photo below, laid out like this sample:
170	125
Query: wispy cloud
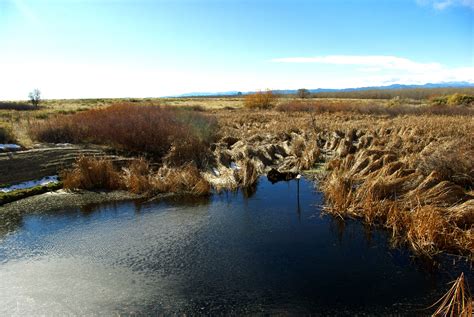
367	62
443	4
379	69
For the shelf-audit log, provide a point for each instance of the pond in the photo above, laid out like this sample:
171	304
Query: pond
264	250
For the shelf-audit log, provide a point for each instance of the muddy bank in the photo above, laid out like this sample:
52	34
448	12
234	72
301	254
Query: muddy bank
11	213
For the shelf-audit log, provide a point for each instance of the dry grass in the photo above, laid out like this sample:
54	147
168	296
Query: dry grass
457	301
409	174
393	108
138	177
6	135
410	171
399	181
146	129
90	173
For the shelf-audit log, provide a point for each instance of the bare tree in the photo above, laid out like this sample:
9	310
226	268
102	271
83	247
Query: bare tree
35	97
303	93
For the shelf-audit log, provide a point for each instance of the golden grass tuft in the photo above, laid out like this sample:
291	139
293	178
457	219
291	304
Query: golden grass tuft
457	301
138	177
92	173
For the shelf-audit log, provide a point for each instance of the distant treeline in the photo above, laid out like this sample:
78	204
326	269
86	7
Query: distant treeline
410	93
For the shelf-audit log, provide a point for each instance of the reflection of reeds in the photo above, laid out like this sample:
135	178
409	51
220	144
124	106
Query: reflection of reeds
457	301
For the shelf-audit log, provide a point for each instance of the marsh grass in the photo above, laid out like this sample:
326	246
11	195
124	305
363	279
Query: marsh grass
369	108
139	177
457	301
6	134
409	184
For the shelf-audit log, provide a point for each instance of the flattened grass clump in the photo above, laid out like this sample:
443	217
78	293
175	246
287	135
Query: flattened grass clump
417	194
143	129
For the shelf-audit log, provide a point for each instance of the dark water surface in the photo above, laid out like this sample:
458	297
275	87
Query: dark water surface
232	253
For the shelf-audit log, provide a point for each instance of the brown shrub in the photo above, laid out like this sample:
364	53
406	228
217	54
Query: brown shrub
92	173
146	129
260	100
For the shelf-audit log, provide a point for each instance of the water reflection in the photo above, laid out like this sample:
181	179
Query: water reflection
267	250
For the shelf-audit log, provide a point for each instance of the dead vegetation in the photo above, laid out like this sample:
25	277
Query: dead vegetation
412	180
410	174
395	107
409	171
138	177
6	135
457	301
141	129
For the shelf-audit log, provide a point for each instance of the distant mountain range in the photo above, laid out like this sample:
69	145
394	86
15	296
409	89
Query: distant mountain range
457	84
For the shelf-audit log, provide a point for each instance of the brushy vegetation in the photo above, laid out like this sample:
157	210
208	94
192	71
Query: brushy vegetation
260	100
138	177
144	129
456	99
18	106
6	135
370	108
415	93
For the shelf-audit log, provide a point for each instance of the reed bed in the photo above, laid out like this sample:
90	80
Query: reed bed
410	185
412	174
138	177
394	108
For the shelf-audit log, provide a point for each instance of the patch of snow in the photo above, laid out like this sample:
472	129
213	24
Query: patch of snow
216	171
234	166
29	184
9	147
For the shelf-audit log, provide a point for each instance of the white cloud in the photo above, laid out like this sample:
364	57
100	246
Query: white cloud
70	80
443	4
383	70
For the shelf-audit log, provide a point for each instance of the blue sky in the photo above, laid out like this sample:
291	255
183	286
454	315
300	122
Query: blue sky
125	48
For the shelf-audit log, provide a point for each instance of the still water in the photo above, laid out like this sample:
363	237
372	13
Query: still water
230	254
